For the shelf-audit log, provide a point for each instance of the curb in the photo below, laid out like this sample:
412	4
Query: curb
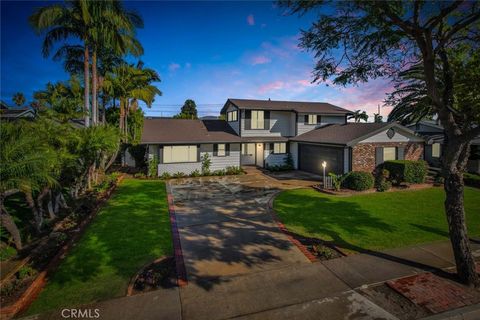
177	246
471	312
282	228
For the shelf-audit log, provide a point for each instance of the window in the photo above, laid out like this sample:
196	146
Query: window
175	154
258	120
280	147
221	150
232	116
389	153
248	149
436	150
312	119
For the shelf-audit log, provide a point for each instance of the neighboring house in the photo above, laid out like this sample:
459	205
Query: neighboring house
433	133
10	113
264	132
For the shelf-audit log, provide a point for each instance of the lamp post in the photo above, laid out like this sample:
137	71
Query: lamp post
324	165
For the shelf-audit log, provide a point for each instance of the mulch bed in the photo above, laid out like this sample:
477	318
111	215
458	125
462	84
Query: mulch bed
159	274
320	249
348	192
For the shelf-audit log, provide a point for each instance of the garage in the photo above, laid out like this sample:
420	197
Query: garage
311	157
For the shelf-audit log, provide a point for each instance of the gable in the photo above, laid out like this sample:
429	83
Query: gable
393	134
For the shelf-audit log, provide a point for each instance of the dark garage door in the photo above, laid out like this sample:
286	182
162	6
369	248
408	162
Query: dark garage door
312	156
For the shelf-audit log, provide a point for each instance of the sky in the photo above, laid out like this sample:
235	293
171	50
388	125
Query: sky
205	51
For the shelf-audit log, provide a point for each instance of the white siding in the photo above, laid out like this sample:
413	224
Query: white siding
398	137
302	127
280	125
172	168
272	159
234	124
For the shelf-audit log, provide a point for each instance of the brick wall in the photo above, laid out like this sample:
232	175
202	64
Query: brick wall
363	154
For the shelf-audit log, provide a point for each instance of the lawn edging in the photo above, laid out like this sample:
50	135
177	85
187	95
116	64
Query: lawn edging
177	246
32	292
282	228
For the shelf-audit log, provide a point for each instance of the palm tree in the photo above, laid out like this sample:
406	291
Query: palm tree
359	115
19	99
377	118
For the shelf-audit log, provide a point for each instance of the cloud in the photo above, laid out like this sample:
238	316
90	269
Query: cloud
271	86
173	67
250	20
287	87
260	59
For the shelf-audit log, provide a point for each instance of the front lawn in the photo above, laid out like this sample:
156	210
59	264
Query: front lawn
373	221
131	230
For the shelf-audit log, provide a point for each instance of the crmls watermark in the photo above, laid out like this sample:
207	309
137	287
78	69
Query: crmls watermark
80	313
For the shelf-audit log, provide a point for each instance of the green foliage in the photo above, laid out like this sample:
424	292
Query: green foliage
381	180
19	99
218	173
179	174
153	166
359	115
195	173
233	170
26	272
337	180
206	163
286	166
408	171
289	161
165	176
188	111
358	180
7	252
139	153
471	179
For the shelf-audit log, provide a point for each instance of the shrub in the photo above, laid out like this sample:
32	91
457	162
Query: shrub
381	180
289	162
218	173
139	175
25	272
337	180
233	170
195	173
7	252
471	179
406	170
153	166
179	175
165	176
206	163
359	181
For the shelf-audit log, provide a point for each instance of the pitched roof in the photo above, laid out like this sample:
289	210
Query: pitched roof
187	131
298	106
346	134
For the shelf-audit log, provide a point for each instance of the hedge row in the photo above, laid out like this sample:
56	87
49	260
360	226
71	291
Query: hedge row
472	180
358	180
408	171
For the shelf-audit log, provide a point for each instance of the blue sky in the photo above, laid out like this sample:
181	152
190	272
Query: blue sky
206	51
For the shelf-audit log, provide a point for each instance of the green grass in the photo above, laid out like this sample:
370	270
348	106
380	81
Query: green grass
373	221
131	230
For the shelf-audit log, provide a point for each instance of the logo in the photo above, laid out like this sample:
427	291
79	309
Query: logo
80	313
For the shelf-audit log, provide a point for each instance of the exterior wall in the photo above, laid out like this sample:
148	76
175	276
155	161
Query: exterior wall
218	163
383	137
280	125
234	124
363	154
294	153
152	151
129	161
346	160
302	127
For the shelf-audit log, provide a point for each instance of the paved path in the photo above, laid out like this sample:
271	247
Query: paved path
240	265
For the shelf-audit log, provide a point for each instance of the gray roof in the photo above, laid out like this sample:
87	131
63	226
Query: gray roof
172	131
264	139
297	106
346	134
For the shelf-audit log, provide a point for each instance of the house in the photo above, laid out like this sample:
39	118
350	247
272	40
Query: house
10	113
264	132
433	133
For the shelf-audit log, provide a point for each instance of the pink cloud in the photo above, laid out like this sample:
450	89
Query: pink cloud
305	83
271	86
173	67
261	59
250	20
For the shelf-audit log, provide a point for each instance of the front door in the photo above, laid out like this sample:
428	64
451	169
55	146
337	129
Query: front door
259	155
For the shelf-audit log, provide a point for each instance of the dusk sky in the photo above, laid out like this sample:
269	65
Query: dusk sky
206	51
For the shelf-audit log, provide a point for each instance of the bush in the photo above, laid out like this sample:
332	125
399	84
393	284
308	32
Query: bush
153	167
179	174
139	175
25	272
233	170
472	180
381	180
358	180
195	173
7	252
206	163
408	171
337	180
218	173
165	176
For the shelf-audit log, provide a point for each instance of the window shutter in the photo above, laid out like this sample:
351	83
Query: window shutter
305	121
266	120
270	146
287	147
400	153
378	156
215	150
248	119
227	149
160	154
319	119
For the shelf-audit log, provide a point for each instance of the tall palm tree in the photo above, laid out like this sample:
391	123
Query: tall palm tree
19	99
359	115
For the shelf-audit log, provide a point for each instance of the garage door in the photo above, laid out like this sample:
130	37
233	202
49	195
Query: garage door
312	156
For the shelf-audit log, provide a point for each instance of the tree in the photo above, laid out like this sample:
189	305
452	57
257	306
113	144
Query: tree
384	38
359	115
19	99
377	118
189	110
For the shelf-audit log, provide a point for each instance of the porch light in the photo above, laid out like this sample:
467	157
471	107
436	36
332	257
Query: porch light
324	165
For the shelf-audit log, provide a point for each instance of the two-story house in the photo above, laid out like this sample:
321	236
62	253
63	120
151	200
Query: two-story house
264	132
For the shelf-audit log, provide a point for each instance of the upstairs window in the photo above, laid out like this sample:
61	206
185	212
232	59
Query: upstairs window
258	121
280	147
232	116
312	119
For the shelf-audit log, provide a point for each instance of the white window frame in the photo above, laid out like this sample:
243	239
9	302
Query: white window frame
221	150
279	148
190	155
312	119
245	149
258	120
232	116
385	158
436	150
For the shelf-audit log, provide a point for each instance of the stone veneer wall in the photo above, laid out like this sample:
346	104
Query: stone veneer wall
363	154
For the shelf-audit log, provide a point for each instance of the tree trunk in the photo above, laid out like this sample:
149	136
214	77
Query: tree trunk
122	116
94	88
86	77
36	215
9	224
39	201
51	212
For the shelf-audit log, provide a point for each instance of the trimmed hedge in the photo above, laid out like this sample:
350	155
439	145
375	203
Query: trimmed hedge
472	180
359	181
409	171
